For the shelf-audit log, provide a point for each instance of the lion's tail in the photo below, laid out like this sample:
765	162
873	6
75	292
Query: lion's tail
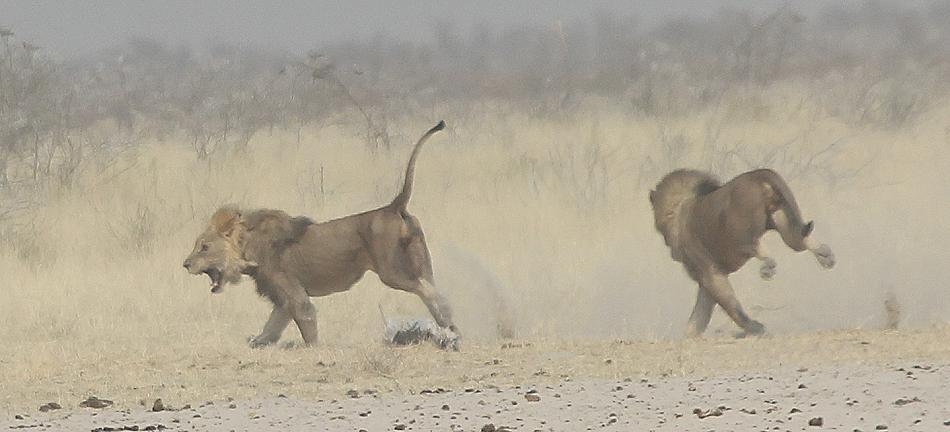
402	199
787	217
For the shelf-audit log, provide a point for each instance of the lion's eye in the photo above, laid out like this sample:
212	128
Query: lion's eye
204	247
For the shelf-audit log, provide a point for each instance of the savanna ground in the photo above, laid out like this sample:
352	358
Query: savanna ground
541	210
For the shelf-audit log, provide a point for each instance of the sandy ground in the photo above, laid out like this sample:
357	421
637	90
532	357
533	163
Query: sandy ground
846	380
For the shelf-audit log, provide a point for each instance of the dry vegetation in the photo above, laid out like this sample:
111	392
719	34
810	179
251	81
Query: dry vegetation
110	166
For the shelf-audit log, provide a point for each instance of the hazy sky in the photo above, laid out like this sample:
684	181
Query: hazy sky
71	27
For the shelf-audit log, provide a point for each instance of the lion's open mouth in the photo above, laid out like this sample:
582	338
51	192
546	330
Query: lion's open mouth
215	276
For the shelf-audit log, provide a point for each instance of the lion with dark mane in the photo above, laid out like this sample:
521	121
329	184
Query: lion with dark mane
714	229
293	258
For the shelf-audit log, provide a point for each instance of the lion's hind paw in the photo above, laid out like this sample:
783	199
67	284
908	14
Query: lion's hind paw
825	257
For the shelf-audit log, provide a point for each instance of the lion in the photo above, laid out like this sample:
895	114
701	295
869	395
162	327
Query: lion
292	259
714	229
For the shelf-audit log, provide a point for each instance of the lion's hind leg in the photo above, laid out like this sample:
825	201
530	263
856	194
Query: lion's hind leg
791	234
440	310
409	268
437	305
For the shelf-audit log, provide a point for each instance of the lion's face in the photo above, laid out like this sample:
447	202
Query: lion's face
663	217
217	251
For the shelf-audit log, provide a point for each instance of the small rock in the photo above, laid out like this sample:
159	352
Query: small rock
50	406
880	427
715	412
532	397
445	408
94	402
488	428
400	427
906	401
158	405
816	421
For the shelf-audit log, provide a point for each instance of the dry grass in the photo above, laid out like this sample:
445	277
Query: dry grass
552	214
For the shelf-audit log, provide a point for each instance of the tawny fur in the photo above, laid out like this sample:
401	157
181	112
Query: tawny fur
714	229
292	258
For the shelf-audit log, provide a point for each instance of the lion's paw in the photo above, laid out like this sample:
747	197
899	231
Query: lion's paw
825	257
753	328
767	271
258	341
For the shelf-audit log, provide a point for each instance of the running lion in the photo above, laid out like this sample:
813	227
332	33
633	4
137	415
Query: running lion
293	258
714	229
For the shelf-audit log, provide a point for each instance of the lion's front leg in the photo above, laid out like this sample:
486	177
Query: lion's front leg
822	252
702	313
294	299
718	287
278	321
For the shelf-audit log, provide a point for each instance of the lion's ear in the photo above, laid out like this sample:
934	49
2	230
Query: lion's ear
225	220
298	227
652	197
